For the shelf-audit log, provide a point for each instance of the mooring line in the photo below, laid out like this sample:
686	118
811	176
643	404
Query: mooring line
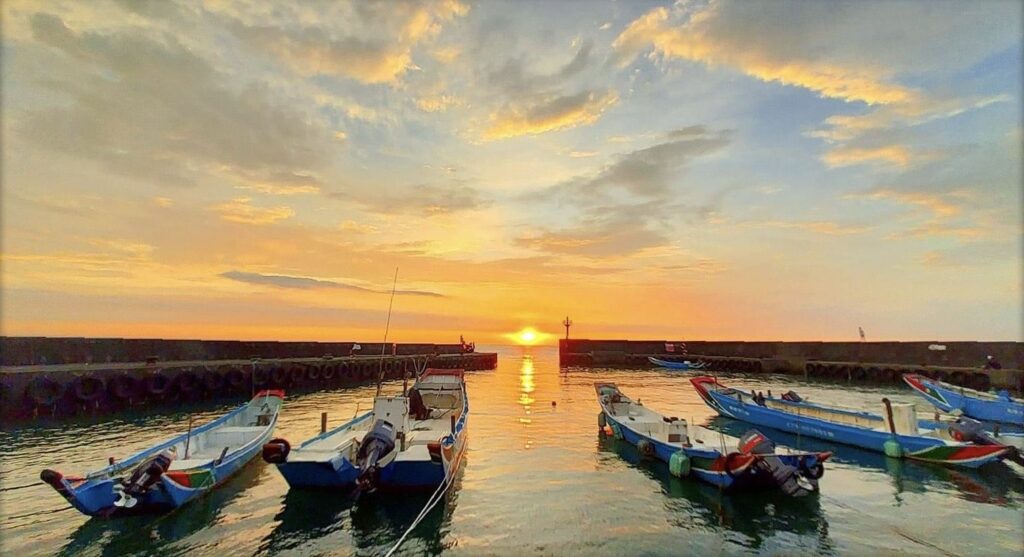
21	486
895	529
52	511
431	503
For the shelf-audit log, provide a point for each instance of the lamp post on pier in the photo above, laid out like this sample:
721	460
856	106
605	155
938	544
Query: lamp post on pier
567	323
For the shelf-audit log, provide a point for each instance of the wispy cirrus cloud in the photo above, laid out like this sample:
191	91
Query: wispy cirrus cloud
309	283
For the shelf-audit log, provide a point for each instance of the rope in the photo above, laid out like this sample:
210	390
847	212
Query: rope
52	511
21	486
431	503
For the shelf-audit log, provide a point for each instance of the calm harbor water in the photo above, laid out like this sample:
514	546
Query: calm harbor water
538	480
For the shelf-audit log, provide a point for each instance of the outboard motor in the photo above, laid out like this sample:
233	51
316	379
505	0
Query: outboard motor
967	430
376	445
788	478
142	478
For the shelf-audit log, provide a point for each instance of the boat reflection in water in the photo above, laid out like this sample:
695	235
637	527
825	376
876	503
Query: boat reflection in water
757	515
152	535
314	522
994	485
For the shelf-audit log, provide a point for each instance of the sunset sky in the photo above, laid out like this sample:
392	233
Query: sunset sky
699	170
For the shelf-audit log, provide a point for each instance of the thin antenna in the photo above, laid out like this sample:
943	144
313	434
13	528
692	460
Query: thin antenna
387	326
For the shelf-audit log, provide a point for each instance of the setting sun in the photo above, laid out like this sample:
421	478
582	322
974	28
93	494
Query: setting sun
527	336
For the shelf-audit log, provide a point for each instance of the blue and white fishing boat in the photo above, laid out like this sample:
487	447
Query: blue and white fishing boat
741	464
176	471
414	441
684	365
986	407
898	433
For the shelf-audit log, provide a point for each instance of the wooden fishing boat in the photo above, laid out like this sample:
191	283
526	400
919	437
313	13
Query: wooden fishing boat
735	464
414	441
176	471
897	433
982	406
684	365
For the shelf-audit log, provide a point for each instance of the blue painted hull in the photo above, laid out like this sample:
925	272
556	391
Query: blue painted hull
95	494
913	446
681	366
338	472
949	398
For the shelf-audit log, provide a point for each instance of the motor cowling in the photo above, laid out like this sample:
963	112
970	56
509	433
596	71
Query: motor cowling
276	450
788	478
967	430
376	444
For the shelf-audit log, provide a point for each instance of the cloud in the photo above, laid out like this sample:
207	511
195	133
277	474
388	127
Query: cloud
897	155
648	172
631	203
307	283
371	43
940	206
788	43
420	199
550	114
709	36
439	103
282	183
353	226
827	228
145	105
595	238
241	210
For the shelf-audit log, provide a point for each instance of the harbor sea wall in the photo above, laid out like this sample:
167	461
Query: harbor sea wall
959	362
78	376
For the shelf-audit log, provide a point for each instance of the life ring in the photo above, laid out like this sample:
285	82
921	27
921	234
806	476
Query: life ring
123	386
44	391
87	388
276	450
329	373
858	372
213	380
313	373
279	376
645	448
345	371
157	384
261	376
186	382
296	374
235	378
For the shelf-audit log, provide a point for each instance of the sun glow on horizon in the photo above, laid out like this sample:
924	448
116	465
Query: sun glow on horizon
527	336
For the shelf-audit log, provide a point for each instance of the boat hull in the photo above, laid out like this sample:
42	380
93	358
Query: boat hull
948	398
680	366
915	447
95	495
709	466
411	470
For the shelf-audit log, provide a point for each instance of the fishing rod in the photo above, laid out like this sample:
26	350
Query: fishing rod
387	326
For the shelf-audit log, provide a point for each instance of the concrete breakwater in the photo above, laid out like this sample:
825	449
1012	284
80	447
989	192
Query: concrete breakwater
83	388
957	362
